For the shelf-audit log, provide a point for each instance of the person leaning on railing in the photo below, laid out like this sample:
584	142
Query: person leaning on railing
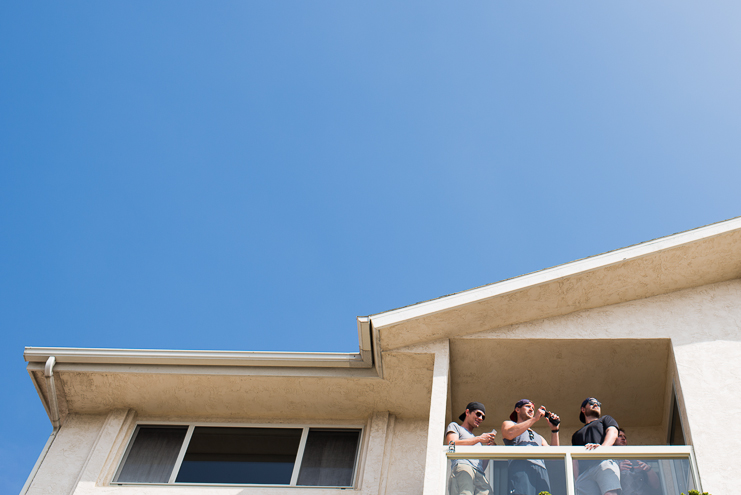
528	476
593	476
636	477
467	475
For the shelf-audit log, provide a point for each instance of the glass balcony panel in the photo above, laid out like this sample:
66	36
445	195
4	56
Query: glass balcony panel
474	476
654	476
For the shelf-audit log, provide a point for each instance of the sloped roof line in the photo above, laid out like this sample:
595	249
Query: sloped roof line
555	272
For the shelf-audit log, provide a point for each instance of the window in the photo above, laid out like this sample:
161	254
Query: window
215	455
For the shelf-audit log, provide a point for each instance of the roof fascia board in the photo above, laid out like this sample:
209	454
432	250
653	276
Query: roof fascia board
418	310
66	355
364	359
273	371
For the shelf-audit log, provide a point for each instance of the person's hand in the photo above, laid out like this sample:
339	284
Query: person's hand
540	413
487	438
591	446
643	466
493	436
553	417
626	465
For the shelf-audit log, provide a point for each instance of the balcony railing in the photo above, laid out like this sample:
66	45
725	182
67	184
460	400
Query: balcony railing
644	470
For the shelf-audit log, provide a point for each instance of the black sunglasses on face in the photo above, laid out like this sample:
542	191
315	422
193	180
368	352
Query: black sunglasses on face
595	403
480	415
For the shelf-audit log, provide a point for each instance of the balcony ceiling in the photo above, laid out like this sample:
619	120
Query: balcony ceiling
628	376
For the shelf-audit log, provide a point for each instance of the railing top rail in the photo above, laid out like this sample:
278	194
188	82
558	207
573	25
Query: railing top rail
510	452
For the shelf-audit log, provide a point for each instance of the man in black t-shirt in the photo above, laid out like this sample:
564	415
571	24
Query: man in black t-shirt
595	477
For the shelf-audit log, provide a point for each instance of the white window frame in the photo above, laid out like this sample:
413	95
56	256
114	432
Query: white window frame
189	434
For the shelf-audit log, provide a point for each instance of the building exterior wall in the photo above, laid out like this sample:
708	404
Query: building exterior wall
704	325
407	459
68	455
86	453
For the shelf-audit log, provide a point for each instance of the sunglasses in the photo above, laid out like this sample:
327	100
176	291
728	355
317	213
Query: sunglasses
480	415
531	434
595	403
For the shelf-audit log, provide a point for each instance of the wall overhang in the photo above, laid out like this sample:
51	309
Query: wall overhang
702	256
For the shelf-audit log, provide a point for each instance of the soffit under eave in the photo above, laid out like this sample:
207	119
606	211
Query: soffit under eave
240	392
708	260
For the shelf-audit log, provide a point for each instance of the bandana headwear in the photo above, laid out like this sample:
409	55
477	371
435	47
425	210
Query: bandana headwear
472	406
520	403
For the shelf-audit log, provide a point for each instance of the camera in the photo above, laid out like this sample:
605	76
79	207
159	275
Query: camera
553	421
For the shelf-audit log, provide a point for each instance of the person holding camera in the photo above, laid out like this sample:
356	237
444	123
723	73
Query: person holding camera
593	476
636	477
528	476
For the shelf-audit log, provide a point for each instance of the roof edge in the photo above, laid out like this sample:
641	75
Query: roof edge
171	357
193	357
396	316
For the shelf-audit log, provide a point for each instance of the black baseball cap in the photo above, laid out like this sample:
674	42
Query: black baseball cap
472	406
520	403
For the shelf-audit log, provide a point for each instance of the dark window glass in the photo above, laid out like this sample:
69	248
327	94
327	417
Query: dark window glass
676	435
152	454
329	457
262	456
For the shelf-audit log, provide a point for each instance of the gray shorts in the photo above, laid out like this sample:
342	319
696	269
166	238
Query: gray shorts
599	479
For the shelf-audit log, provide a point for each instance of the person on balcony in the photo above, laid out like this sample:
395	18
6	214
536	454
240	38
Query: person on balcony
528	476
636	477
593	476
467	475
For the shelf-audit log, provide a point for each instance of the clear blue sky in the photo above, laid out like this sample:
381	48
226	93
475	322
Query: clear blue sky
254	175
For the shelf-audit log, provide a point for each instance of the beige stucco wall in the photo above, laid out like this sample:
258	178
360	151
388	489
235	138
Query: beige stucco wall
704	325
67	455
407	460
86	453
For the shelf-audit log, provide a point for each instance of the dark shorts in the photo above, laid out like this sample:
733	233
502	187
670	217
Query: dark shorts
526	478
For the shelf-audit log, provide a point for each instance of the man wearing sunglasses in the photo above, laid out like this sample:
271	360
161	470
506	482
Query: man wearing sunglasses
467	475
595	477
528	476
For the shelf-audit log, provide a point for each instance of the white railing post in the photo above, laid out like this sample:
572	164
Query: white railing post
569	465
434	480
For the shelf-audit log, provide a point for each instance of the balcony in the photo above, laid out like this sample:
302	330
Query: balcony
663	470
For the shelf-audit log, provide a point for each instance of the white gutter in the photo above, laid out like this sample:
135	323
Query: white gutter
53	416
362	359
52	391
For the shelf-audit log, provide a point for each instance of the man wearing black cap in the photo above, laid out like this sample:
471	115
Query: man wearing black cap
595	477
528	476
467	475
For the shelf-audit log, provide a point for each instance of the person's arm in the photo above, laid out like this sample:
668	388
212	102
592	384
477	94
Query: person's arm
511	430
610	436
484	439
653	478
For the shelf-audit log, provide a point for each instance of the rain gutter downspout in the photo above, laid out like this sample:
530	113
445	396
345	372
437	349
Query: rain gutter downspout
53	416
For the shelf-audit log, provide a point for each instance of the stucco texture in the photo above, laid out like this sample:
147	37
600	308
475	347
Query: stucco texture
234	397
704	327
67	455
